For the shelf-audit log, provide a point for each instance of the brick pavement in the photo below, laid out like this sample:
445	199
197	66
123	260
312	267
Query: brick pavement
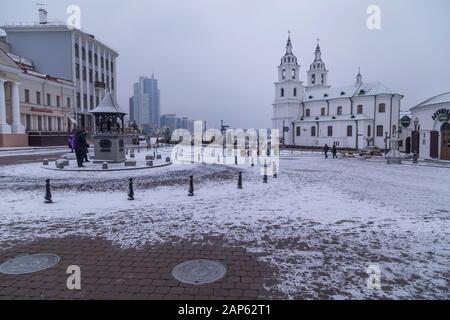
109	272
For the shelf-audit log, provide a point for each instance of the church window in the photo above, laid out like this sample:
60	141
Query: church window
293	73
282	92
322	78
339	110
313	79
382	107
298	131
322	111
360	109
349	131
295	92
308	112
394	128
289	59
284	74
330	131
379	131
369	130
313	131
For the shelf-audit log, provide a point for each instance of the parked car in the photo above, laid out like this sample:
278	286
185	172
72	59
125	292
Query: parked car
370	151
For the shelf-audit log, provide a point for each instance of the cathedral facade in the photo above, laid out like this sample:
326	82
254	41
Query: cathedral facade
315	114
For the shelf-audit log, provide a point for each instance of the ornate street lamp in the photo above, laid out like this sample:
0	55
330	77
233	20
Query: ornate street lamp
416	139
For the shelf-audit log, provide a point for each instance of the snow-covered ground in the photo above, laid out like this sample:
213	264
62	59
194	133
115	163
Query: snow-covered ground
322	223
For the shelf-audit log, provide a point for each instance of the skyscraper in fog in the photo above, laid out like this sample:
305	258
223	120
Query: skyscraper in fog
146	109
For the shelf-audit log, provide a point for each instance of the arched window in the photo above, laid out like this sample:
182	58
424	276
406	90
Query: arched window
360	109
339	110
283	74
313	79
349	131
298	130
293	73
295	92
322	78
282	92
308	112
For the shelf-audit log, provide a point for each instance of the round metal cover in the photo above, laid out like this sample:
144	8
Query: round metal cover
29	263
199	271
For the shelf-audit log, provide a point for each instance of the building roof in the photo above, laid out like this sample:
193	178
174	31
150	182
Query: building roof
108	105
356	90
441	98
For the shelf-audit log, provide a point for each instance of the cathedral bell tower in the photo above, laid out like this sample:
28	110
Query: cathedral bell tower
288	94
317	73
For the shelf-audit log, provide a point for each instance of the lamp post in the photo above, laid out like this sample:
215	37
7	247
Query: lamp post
416	139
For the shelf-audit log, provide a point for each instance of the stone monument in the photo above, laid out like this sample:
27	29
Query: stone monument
394	156
109	138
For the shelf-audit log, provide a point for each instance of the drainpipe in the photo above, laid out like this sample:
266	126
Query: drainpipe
357	136
374	120
390	124
328	107
293	133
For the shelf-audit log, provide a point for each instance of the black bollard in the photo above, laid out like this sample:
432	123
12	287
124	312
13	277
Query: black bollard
253	164
235	160
275	174
130	190
265	173
191	186
48	192
240	181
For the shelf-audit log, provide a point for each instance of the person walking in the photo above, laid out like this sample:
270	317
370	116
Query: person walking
80	147
334	151
70	141
325	150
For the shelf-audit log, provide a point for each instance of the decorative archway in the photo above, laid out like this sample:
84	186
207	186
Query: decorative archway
445	141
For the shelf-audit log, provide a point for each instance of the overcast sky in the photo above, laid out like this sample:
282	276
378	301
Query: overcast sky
216	59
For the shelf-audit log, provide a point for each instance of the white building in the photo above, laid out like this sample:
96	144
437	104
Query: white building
427	132
353	116
71	54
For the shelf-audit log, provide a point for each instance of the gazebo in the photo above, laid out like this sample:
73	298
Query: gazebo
109	144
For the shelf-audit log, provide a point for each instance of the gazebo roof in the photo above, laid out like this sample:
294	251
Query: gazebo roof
108	105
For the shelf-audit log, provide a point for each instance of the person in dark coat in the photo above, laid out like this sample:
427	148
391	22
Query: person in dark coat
334	151
86	152
325	150
80	147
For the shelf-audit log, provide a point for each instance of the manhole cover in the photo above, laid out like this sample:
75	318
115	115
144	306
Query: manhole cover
29	263
199	271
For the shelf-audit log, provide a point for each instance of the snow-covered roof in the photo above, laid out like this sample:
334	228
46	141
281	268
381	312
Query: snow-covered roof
441	98
365	89
108	105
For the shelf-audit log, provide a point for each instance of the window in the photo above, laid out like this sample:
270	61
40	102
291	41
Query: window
330	131
84	73
112	83
382	107
360	109
313	79
313	131
369	131
112	66
77	53
96	75
295	92
90	56
282	92
39	118
339	110
91	101
77	70
283	74
85	100
349	131
58	101
298	130
78	100
102	62
103	77
293	73
95	59
38	97
308	112
68	102
322	111
97	101
107	81
90	76
50	123
107	64
59	123
27	96
322	77
394	128
83	53
379	131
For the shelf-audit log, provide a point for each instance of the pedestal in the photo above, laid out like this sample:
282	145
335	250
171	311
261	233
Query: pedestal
109	148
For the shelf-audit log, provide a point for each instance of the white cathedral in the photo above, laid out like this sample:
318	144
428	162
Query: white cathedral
354	116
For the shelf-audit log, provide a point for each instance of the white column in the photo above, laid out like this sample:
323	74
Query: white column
4	127
16	127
